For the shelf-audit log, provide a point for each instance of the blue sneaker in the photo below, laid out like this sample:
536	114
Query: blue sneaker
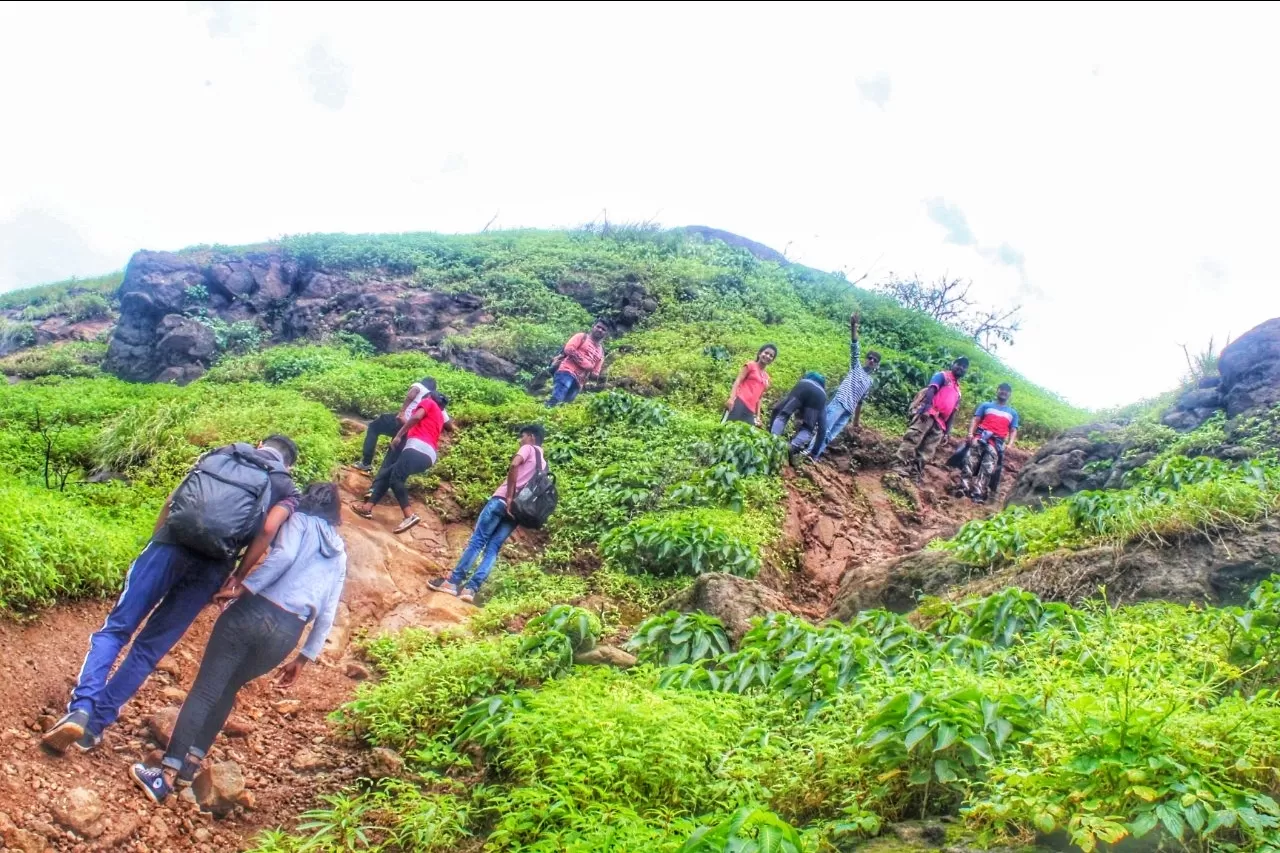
151	781
66	731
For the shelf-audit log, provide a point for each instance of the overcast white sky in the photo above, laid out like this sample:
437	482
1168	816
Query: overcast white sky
1114	168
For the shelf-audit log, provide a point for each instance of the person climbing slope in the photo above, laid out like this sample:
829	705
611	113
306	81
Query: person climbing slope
846	403
807	402
389	423
931	415
753	380
993	431
298	584
581	359
234	496
412	451
495	523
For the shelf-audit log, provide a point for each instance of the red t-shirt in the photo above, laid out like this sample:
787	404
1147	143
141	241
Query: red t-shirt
752	386
428	429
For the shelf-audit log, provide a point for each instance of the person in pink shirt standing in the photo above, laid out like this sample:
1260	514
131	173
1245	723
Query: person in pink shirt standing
582	358
495	523
931	416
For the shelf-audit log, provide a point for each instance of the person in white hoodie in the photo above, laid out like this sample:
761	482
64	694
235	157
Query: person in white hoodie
299	583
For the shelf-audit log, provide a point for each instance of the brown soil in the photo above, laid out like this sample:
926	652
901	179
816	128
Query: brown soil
850	512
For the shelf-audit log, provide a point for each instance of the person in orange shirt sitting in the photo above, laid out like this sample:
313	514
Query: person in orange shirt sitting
753	380
582	358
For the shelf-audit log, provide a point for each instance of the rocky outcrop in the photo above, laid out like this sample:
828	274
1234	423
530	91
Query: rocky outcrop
1195	569
1248	381
733	600
169	302
1098	456
1087	457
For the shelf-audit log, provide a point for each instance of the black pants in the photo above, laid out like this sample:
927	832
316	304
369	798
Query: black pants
388	425
251	638
396	469
741	413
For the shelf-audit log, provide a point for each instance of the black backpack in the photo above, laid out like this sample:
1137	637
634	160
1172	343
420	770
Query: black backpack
222	502
534	503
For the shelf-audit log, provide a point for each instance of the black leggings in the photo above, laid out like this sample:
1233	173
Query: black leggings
397	467
388	424
251	638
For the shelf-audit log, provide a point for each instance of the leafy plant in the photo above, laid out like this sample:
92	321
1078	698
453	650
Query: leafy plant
748	830
675	638
677	545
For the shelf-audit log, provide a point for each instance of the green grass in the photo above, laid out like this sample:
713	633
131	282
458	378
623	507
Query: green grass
61	292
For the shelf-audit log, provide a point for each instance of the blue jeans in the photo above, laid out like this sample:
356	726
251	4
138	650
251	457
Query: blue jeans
564	388
837	417
172	584
493	527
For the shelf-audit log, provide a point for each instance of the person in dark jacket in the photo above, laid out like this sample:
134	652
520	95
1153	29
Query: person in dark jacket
298	584
167	586
807	402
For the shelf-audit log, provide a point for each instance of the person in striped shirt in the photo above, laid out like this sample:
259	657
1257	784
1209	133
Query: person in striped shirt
846	403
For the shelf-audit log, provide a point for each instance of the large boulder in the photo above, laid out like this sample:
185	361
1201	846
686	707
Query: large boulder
733	600
1250	369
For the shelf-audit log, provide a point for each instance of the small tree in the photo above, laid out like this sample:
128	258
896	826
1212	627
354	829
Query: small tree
57	464
947	301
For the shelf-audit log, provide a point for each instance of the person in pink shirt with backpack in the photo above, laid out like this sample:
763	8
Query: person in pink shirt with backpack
931	415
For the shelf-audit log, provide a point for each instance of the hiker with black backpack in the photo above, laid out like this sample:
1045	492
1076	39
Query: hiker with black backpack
299	583
525	499
233	497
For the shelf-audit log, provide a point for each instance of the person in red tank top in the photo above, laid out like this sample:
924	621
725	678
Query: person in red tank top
753	380
412	451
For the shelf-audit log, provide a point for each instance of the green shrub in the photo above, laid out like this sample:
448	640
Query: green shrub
675	638
75	358
679	544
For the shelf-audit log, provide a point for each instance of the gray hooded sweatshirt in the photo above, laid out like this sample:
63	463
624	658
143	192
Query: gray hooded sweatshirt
304	574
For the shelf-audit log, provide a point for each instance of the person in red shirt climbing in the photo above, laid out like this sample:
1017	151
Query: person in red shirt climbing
931	415
582	358
412	451
753	380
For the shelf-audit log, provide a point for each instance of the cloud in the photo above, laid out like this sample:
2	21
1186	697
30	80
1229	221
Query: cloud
328	76
953	219
456	162
875	89
1211	273
37	247
1008	256
224	17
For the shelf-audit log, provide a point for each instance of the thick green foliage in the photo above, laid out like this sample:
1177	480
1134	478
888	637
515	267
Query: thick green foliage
1015	715
60	292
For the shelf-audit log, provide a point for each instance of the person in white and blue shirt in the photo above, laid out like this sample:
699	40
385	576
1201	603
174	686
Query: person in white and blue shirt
846	403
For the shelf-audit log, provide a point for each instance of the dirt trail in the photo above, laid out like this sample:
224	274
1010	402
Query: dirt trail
288	759
846	514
